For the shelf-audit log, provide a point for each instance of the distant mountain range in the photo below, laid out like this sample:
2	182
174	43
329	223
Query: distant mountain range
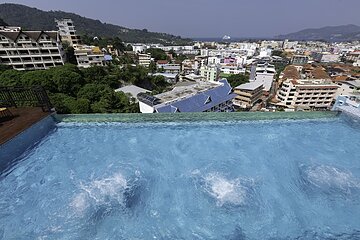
331	34
34	19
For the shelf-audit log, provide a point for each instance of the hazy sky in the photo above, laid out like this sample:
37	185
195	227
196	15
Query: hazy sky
212	18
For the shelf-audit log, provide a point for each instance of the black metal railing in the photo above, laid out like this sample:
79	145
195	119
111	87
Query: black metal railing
35	96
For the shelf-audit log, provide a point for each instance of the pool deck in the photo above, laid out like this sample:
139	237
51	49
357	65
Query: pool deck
23	119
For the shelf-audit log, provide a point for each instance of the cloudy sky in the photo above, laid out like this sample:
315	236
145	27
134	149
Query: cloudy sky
212	18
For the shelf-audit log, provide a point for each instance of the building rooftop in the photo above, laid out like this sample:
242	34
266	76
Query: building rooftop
198	97
132	90
166	75
319	73
249	86
314	82
355	83
291	72
34	35
186	91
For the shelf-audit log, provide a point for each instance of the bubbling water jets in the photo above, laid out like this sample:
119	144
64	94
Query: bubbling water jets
100	192
234	192
329	178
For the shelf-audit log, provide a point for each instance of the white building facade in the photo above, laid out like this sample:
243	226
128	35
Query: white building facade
307	94
87	56
67	31
31	50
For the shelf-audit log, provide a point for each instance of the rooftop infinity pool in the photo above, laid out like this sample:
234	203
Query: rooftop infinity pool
225	176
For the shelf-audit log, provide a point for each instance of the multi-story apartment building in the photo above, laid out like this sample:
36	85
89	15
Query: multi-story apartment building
67	31
190	67
144	59
193	97
210	73
248	94
231	69
29	50
88	56
169	67
309	93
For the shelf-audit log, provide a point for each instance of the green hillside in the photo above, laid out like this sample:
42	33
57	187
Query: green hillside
35	19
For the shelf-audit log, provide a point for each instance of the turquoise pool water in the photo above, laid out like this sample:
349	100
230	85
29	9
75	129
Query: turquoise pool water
165	178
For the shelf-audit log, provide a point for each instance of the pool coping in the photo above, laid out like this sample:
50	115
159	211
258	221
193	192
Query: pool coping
15	147
193	117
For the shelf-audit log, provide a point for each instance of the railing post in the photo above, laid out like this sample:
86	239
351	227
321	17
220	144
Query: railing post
10	98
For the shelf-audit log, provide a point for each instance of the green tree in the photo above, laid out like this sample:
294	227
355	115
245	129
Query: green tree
79	106
129	47
40	77
111	102
61	102
237	79
65	104
70	54
159	83
94	74
278	53
67	81
173	53
157	54
4	68
11	78
93	92
118	44
152	67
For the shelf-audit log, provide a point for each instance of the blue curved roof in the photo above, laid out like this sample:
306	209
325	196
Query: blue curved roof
199	102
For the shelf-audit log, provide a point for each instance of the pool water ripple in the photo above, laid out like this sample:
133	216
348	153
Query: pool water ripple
269	179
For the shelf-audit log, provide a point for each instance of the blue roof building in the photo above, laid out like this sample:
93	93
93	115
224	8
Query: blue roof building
196	97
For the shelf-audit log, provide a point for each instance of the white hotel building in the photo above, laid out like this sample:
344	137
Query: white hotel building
29	50
307	94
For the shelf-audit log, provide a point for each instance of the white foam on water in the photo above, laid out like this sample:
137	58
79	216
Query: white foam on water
227	191
80	203
100	191
324	176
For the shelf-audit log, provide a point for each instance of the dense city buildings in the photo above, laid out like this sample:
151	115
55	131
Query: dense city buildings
268	75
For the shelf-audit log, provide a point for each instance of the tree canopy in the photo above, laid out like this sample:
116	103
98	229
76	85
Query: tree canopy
237	79
90	90
157	54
